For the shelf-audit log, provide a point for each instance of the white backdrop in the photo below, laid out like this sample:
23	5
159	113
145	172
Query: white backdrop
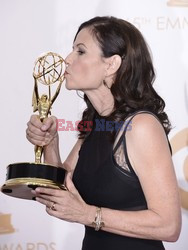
31	27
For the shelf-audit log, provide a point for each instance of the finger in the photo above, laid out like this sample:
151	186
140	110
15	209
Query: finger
44	201
48	198
35	140
50	204
38	135
55	213
35	121
49	191
34	129
48	123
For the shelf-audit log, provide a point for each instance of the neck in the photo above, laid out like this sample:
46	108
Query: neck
102	100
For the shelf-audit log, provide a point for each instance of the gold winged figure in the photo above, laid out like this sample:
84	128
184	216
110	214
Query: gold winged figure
48	69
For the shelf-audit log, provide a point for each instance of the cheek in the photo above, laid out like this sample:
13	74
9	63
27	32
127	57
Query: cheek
84	75
92	73
79	70
82	69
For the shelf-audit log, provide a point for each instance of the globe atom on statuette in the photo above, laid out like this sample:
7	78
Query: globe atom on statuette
22	177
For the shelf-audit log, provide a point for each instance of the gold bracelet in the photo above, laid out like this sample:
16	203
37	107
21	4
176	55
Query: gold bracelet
98	223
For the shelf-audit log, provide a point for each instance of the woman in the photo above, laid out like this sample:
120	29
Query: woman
121	181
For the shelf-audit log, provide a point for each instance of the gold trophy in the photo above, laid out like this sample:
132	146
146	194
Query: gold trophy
21	178
180	3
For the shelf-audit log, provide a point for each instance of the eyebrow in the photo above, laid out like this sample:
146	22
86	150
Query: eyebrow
82	44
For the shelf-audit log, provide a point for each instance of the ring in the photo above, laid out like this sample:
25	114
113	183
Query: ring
52	207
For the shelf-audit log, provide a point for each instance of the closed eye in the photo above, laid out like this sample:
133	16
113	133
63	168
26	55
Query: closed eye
80	48
80	52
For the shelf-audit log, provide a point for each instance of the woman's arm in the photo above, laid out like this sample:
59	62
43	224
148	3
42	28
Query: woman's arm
52	155
45	134
150	157
71	161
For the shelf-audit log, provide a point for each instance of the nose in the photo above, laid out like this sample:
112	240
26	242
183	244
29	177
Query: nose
68	59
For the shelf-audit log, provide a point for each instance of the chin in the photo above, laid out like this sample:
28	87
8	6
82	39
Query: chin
70	86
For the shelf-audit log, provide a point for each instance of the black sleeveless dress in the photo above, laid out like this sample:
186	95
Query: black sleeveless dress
103	183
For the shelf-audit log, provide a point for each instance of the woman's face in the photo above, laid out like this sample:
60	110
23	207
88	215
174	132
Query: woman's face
86	66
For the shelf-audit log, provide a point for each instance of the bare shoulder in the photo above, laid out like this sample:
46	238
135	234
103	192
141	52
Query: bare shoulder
146	123
147	141
146	130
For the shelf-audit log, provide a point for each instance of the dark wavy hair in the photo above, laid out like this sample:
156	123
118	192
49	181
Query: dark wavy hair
132	88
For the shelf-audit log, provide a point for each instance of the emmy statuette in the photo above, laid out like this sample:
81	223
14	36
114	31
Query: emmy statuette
22	177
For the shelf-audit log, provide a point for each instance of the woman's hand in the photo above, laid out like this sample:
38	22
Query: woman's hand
66	205
41	133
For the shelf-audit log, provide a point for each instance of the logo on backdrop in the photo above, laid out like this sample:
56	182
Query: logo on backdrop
179	3
178	142
5	224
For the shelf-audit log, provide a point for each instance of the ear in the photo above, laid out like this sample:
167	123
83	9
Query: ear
112	64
